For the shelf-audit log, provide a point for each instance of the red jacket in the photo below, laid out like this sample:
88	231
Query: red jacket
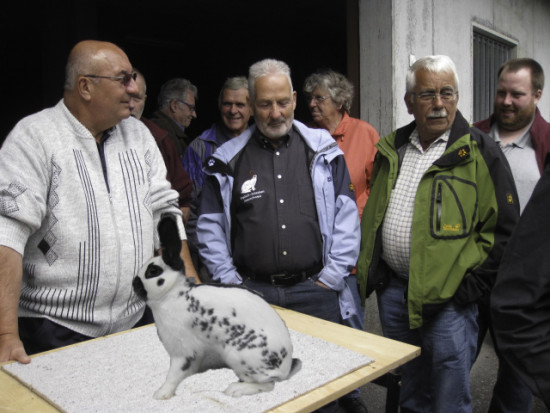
540	135
176	175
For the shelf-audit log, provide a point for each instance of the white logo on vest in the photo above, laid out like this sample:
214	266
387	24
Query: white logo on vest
248	189
250	185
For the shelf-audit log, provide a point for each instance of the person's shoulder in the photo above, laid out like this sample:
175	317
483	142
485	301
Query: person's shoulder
369	130
134	132
157	132
41	124
484	124
206	135
232	147
540	126
312	134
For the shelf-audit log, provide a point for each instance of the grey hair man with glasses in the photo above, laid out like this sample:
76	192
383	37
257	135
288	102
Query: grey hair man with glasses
441	208
82	188
176	109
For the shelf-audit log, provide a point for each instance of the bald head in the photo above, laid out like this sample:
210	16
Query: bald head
88	56
98	85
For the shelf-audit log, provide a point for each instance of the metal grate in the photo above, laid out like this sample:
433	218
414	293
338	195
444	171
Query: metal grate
489	55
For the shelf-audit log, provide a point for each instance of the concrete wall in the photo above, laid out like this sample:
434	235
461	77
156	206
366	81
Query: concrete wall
394	33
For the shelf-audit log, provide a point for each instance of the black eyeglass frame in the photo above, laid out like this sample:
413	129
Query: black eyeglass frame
191	107
124	79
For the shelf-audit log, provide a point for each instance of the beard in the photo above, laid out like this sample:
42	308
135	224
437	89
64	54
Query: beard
512	118
275	129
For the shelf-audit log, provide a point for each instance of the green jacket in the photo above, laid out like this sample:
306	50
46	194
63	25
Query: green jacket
465	209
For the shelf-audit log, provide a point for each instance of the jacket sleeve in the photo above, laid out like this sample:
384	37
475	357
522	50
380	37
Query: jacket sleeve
498	211
520	301
192	163
177	175
213	234
343	251
164	198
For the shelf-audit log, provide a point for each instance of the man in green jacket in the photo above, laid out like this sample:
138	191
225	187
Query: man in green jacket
442	206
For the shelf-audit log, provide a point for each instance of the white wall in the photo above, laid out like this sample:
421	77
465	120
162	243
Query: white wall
394	32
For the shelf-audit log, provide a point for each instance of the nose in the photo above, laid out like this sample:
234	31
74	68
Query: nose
276	111
437	102
139	288
508	99
132	87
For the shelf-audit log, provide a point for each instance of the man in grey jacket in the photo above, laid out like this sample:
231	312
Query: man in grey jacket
82	187
277	211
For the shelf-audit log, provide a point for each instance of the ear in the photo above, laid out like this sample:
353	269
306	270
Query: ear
83	87
408	102
170	242
538	95
173	105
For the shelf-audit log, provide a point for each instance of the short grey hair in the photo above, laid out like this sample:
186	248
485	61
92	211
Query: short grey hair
434	64
336	84
264	68
233	83
175	89
77	64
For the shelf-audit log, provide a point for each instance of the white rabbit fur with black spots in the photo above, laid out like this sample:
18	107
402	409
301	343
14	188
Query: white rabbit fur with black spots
210	326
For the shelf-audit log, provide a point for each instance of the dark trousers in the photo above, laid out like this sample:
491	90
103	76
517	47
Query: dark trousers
41	334
510	393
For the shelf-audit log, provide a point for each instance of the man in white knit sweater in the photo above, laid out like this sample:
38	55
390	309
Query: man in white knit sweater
82	187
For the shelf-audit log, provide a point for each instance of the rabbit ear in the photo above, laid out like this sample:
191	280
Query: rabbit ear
170	242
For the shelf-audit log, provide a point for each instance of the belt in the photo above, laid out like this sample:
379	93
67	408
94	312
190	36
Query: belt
283	279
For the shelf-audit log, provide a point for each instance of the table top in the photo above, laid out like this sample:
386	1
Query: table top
387	354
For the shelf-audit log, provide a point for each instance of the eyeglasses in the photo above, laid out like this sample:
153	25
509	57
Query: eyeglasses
192	108
317	98
124	79
446	96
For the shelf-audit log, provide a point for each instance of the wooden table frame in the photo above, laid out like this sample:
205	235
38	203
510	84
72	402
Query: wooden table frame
387	354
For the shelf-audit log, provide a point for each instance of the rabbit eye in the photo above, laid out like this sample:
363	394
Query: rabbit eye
160	282
153	271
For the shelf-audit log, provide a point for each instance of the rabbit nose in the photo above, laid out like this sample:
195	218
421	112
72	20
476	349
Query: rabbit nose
139	288
153	271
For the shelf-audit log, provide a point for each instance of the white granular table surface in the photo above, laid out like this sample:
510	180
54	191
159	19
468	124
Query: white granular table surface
120	373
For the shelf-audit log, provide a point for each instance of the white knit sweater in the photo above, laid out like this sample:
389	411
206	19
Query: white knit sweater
82	240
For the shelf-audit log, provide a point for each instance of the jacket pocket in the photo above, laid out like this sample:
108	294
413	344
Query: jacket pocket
453	207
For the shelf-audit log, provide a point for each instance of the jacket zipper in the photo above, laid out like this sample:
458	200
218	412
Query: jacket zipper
438	201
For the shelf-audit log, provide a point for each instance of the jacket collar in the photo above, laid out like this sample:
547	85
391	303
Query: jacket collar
459	128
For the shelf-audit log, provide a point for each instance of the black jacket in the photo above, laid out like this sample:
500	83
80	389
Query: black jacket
520	301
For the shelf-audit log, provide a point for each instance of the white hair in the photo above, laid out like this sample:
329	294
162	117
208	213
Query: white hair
264	68
434	64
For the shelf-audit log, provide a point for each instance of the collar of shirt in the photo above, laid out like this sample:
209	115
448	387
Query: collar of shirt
342	128
267	143
414	140
519	142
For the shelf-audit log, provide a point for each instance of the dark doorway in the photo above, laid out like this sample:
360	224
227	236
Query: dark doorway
204	41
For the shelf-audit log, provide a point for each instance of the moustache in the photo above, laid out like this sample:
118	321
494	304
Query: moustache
437	114
276	122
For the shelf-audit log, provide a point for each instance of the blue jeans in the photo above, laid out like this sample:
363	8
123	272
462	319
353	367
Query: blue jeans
305	297
439	379
356	321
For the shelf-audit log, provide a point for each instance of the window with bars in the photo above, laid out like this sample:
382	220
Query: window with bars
489	54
